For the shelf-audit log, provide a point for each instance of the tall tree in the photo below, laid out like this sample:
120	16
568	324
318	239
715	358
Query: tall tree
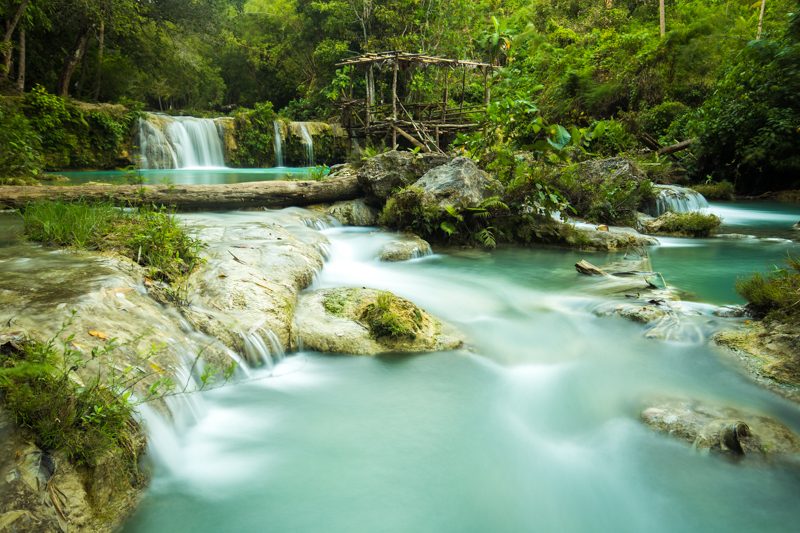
761	19
662	18
11	25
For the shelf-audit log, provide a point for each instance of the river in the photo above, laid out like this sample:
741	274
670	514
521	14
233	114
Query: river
533	427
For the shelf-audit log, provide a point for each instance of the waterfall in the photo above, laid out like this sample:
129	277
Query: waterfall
676	199
308	142
179	142
262	347
277	142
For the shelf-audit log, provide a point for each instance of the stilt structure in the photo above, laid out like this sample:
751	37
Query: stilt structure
429	126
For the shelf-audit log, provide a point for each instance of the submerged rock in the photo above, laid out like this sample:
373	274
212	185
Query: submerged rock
722	430
382	174
459	183
408	246
361	321
354	213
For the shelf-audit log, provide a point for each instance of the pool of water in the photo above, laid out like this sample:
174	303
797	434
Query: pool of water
204	176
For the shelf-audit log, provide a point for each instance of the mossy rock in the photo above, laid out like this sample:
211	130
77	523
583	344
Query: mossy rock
361	321
694	224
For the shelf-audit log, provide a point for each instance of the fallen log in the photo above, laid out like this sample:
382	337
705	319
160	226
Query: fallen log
683	145
270	194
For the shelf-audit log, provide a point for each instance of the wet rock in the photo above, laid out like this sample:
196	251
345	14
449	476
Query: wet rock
354	213
44	492
361	321
796	226
255	268
587	269
722	430
408	246
382	174
459	183
612	240
769	352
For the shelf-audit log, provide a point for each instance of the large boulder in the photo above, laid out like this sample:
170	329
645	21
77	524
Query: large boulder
354	213
722	430
382	174
459	183
692	224
359	321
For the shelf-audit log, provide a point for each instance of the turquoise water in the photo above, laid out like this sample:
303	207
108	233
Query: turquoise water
187	177
533	428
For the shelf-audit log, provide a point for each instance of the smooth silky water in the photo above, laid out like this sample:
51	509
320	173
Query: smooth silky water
535	427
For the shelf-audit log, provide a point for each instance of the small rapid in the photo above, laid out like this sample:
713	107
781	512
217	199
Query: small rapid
677	200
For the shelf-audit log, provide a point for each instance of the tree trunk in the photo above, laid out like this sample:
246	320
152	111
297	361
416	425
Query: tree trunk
761	19
11	25
101	41
72	62
22	61
662	18
609	4
270	194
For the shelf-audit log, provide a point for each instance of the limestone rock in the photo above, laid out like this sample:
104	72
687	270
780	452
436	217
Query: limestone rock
362	321
408	246
591	239
382	174
693	224
354	213
722	430
459	183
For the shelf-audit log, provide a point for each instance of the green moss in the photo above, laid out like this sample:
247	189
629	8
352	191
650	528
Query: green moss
722	190
151	237
693	224
335	303
390	316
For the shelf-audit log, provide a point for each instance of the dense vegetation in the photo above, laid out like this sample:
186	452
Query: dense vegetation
600	68
776	294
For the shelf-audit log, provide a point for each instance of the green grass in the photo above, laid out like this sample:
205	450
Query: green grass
151	237
694	224
777	294
84	419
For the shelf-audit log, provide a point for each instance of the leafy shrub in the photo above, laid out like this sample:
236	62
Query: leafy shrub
85	419
776	294
255	131
610	137
21	145
657	120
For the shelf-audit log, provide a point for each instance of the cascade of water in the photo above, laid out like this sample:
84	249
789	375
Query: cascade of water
154	149
676	199
277	142
262	347
179	142
308	142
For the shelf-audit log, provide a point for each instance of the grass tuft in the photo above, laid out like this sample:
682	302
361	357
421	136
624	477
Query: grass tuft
777	294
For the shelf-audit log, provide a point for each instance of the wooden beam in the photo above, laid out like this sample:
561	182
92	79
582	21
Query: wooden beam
411	139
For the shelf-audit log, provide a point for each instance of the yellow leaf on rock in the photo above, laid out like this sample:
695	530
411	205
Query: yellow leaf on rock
98	334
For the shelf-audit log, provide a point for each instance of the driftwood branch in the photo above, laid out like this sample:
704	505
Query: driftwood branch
683	145
271	194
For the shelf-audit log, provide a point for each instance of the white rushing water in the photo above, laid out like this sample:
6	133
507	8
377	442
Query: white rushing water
676	199
535	426
277	142
179	142
308	142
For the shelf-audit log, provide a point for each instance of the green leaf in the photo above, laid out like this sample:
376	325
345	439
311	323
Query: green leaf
561	138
